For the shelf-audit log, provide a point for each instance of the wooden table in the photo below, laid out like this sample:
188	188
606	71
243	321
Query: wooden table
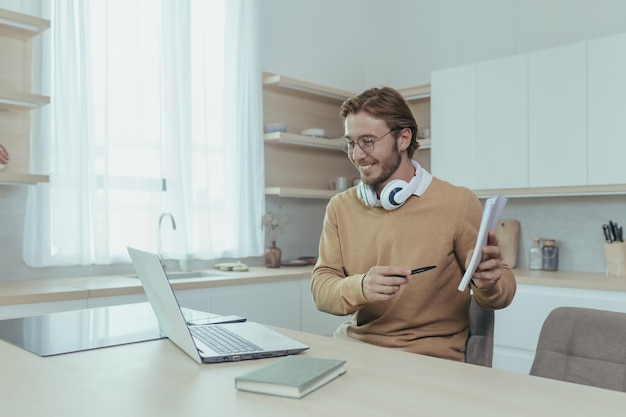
155	378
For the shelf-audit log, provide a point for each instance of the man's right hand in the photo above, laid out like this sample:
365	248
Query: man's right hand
381	283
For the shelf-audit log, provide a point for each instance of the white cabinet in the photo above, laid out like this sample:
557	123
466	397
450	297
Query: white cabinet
313	320
606	109
518	326
274	303
453	120
518	125
502	123
557	103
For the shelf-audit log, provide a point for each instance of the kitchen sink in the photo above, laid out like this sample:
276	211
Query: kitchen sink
190	275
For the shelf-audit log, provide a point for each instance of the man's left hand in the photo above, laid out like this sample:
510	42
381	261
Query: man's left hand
489	269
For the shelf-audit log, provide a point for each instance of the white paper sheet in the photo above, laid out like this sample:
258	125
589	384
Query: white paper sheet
491	214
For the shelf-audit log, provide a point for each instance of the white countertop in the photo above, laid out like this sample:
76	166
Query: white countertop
65	289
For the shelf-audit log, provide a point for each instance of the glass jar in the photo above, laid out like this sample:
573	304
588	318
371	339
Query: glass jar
550	255
535	255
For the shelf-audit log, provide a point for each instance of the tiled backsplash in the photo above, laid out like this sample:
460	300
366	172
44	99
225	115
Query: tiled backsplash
575	223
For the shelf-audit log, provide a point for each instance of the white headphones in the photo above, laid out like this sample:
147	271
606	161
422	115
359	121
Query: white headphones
396	192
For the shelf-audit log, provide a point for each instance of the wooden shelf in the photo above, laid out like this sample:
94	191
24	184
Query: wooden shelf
284	138
416	93
424	144
21	26
299	192
570	191
285	85
22	179
24	101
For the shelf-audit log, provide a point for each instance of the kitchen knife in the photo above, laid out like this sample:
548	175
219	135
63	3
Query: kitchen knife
607	233
613	229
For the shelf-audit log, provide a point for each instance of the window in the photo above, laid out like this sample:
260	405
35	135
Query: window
155	107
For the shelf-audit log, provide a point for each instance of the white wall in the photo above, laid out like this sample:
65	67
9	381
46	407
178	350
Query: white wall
356	44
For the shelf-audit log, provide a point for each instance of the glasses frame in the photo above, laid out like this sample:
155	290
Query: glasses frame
348	145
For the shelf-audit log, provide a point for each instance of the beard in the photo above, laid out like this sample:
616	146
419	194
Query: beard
389	165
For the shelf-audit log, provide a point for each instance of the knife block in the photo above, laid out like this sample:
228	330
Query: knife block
615	254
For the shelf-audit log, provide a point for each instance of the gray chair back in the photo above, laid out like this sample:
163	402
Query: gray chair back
584	346
479	344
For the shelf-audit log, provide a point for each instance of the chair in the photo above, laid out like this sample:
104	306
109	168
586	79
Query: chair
584	346
479	344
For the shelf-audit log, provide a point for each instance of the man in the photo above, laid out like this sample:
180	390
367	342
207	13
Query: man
399	218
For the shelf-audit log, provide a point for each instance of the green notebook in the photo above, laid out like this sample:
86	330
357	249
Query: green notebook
293	376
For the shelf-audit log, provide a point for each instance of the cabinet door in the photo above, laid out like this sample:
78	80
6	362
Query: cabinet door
313	320
558	116
518	326
273	303
502	123
606	109
453	117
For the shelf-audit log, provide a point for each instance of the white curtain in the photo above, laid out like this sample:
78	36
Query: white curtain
155	107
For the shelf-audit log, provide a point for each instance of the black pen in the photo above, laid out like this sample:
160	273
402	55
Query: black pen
418	270
423	269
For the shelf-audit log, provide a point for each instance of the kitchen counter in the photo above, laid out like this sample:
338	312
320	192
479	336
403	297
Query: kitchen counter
65	289
567	279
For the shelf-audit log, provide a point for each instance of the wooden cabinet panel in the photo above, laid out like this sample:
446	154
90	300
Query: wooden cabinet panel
16	99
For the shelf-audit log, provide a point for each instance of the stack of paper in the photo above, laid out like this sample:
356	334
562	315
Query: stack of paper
491	214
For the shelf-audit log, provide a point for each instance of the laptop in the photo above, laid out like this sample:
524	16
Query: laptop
258	340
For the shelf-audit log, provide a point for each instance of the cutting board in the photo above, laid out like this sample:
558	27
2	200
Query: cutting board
507	232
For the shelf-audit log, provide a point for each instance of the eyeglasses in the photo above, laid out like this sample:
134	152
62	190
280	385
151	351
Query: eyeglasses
366	143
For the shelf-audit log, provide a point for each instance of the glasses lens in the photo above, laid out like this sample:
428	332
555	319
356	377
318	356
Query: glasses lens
367	145
347	147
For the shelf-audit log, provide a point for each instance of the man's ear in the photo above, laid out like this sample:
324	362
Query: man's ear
405	139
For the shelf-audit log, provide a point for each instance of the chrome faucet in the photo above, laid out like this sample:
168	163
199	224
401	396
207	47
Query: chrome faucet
159	239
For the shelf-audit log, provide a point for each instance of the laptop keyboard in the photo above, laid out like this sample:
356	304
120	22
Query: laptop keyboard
222	340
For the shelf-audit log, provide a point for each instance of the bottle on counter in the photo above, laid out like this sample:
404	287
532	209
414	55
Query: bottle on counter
535	255
550	255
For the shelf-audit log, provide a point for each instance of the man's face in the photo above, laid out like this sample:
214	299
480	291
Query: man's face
375	166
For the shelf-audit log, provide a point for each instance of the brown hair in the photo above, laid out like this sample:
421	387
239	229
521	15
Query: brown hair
385	104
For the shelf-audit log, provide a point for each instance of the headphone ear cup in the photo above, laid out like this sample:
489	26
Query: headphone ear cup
367	195
388	194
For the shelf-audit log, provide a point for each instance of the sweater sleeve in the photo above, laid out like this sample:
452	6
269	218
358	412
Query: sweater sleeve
501	295
334	292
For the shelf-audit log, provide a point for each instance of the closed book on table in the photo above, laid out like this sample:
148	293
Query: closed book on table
293	376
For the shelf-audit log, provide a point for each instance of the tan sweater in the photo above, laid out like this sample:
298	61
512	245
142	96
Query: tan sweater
428	315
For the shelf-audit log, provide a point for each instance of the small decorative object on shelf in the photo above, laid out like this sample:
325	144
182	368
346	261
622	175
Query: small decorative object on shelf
273	253
4	157
273	256
550	252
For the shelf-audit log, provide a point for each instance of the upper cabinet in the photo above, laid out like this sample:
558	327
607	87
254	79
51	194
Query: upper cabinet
546	123
304	154
502	122
16	98
557	105
606	100
453	120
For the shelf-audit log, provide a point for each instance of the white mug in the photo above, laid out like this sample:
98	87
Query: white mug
339	184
